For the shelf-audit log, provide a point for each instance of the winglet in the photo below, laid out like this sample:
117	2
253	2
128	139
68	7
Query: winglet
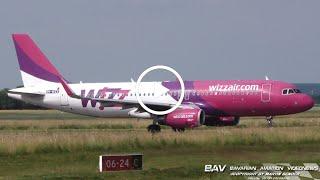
67	88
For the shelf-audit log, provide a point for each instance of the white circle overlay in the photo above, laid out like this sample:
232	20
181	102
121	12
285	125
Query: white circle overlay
152	68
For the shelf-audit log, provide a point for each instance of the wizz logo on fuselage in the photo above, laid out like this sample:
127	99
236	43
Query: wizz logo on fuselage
108	93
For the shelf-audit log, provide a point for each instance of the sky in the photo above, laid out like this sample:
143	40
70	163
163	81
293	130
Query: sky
115	40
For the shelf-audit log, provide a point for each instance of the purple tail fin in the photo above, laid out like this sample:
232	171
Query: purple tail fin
35	67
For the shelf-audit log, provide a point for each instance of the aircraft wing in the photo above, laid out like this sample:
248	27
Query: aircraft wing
158	106
133	103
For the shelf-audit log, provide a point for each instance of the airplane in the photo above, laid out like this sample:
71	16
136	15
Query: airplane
210	103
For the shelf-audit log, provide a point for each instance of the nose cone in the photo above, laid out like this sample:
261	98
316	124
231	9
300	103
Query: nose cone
307	102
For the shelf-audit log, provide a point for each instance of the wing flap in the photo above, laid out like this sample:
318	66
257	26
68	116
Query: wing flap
132	103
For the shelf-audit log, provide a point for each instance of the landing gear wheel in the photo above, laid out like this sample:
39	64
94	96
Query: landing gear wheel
269	120
178	129
154	128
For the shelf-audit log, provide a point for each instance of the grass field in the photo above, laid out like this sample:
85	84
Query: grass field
51	144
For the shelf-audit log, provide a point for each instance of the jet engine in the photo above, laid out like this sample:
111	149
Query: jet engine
183	118
222	121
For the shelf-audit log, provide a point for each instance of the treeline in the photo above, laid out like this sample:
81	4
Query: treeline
313	89
9	103
316	99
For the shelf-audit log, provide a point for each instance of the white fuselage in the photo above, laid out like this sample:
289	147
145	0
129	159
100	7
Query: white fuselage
56	98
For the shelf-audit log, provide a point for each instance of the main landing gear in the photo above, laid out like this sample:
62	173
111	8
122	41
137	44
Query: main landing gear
269	120
178	129
154	128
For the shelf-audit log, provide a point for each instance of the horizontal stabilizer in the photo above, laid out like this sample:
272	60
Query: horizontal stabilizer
27	90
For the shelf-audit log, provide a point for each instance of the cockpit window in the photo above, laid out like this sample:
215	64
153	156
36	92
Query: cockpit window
285	91
297	91
290	91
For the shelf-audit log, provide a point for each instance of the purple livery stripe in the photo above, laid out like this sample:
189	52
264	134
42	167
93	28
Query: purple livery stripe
32	60
189	86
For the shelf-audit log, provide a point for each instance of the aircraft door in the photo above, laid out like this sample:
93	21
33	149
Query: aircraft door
154	90
265	93
64	99
187	95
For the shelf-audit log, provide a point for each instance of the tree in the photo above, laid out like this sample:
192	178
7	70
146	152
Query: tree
9	103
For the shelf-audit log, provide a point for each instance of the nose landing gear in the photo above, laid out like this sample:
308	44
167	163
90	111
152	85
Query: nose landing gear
269	120
178	129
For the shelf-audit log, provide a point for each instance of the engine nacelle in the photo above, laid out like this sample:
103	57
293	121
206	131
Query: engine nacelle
184	118
222	121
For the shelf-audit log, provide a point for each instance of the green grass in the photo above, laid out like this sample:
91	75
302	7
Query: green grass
178	163
39	115
50	144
